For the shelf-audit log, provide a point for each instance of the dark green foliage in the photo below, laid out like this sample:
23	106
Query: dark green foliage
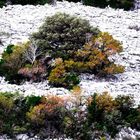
24	2
2	3
73	0
125	4
102	119
31	101
34	2
71	80
94	111
5	70
126	105
8	50
61	35
99	3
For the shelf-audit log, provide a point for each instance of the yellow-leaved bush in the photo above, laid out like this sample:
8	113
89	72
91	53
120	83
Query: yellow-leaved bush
103	101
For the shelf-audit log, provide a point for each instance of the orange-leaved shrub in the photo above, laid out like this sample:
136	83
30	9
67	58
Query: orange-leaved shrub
94	56
48	110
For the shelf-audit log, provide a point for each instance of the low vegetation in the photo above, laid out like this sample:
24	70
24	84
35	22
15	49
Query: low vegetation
53	116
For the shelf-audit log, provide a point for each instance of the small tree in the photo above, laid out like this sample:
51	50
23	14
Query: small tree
32	52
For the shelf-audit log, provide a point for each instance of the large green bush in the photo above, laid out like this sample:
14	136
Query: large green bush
9	110
61	35
125	4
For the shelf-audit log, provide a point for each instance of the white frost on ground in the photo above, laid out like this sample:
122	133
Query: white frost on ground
18	22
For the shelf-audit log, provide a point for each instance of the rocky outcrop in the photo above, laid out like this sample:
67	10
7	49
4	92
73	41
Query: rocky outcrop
18	22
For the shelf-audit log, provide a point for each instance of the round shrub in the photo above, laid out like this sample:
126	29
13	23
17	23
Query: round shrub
61	35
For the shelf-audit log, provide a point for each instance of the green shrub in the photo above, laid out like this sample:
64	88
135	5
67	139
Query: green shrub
93	58
126	105
61	35
125	4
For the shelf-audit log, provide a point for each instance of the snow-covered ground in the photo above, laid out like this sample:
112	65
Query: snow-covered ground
18	22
